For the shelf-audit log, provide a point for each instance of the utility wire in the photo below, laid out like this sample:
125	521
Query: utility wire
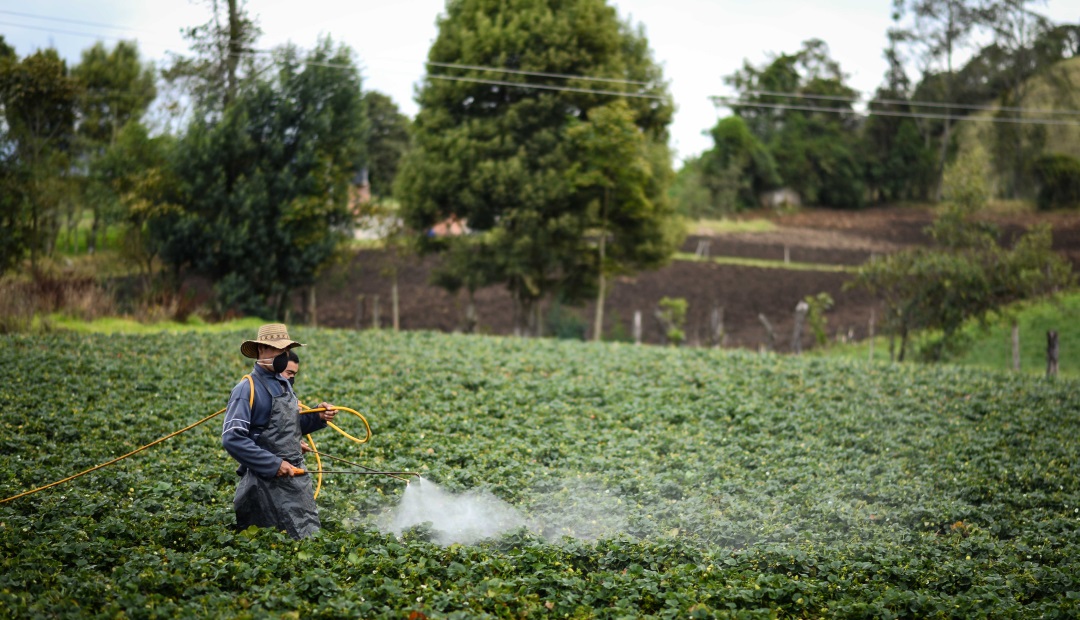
542	86
66	21
727	102
71	32
536	73
917	104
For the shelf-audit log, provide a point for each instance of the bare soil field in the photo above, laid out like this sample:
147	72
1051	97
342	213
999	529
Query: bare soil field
744	293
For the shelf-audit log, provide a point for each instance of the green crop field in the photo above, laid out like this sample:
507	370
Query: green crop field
656	482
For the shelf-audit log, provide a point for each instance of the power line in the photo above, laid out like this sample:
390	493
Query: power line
918	104
67	21
51	30
543	86
536	73
727	102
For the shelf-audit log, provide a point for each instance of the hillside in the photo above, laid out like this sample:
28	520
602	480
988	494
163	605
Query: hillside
1041	96
649	481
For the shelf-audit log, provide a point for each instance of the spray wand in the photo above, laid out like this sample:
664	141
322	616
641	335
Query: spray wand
368	470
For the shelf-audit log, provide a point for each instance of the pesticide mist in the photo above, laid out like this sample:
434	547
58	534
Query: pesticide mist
583	513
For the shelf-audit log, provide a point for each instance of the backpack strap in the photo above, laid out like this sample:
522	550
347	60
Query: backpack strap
251	390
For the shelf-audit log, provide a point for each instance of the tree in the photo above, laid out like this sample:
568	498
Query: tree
388	140
262	196
938	30
38	99
117	90
815	151
612	172
738	168
225	58
898	162
491	147
1017	32
968	274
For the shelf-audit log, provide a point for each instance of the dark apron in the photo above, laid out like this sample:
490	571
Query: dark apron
284	502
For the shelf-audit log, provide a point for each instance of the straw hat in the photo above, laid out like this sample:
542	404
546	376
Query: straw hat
274	335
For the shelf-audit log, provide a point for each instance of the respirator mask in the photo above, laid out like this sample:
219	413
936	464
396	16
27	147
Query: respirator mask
280	363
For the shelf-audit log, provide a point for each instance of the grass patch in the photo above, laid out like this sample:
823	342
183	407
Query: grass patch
766	264
118	325
990	346
726	226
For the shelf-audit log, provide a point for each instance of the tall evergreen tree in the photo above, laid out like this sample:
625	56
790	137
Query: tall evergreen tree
491	145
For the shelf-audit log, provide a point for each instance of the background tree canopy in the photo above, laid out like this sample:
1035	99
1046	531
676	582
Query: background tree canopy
260	200
492	147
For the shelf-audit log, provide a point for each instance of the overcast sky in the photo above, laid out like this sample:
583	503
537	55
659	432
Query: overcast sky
697	42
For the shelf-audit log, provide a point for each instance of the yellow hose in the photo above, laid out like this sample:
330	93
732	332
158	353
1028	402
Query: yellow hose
367	437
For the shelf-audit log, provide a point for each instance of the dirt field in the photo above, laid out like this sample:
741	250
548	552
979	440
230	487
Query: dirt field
744	293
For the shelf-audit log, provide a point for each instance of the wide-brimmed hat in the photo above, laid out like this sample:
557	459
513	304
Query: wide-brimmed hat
273	335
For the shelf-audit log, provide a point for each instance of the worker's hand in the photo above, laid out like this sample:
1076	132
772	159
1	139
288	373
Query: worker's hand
286	469
329	413
304	448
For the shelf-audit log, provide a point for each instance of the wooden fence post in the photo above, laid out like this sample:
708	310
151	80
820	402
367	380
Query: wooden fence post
770	335
1016	346
637	326
312	313
801	309
359	311
716	324
871	338
375	312
394	303
1051	353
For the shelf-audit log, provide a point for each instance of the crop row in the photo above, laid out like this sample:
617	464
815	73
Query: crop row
658	482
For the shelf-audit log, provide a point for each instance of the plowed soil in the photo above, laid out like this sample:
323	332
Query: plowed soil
745	294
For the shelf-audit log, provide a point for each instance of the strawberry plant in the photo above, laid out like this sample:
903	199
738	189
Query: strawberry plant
657	482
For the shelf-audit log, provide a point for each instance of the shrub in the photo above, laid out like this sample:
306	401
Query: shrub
1059	181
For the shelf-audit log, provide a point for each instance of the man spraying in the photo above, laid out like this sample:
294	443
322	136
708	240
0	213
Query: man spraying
262	431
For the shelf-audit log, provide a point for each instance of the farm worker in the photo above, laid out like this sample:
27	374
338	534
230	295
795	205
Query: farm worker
262	432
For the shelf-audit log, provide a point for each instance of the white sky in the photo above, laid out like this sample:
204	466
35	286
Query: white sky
697	42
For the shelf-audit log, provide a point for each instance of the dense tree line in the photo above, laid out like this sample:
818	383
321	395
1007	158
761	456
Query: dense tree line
543	126
254	191
793	123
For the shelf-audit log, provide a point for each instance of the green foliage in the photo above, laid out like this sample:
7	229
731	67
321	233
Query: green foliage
117	89
671	313
815	316
39	99
898	164
964	279
387	141
259	201
1058	177
965	183
504	159
737	169
562	322
688	192
815	153
746	485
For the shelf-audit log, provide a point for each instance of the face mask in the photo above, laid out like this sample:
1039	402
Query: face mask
280	363
292	381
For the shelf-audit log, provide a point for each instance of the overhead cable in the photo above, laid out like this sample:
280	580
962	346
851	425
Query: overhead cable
731	102
65	20
914	103
543	86
567	76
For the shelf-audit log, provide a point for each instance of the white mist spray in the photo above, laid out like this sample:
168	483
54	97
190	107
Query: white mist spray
576	509
466	518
